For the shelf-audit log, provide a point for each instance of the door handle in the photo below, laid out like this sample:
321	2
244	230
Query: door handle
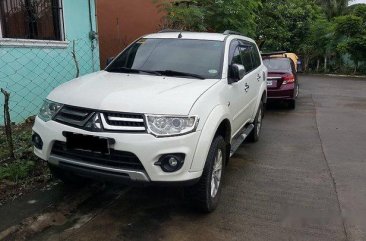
246	87
259	77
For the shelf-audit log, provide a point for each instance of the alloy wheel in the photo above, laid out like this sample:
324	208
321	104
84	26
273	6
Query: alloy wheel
216	173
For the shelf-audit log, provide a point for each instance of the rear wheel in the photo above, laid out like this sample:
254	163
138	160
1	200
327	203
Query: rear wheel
206	193
67	178
254	135
297	91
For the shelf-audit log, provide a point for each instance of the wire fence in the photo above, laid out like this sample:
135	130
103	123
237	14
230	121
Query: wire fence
29	70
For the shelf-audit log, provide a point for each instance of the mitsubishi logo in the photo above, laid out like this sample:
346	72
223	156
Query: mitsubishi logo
97	123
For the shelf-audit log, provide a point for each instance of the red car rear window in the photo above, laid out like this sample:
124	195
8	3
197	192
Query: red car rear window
277	64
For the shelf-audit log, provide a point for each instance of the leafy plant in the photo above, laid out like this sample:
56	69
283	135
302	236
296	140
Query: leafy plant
211	15
16	171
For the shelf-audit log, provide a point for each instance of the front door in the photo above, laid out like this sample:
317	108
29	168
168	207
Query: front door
239	93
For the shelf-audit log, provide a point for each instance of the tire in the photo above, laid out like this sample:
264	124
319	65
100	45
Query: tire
292	104
203	195
67	178
254	135
297	91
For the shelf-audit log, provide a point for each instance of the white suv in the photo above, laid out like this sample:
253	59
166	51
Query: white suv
170	109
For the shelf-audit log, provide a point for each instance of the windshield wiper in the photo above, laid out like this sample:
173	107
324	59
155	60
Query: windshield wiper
178	73
135	71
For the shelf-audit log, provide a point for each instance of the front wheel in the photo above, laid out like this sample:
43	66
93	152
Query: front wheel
206	193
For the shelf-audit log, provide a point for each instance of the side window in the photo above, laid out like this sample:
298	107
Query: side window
234	52
256	56
236	57
246	55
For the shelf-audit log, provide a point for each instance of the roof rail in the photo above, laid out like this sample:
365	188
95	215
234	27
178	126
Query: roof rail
168	30
229	32
274	53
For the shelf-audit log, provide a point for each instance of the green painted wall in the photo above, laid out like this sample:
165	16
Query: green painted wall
30	73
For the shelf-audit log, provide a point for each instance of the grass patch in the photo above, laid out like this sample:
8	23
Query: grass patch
26	172
16	171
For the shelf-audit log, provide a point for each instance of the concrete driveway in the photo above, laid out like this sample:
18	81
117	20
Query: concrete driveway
304	180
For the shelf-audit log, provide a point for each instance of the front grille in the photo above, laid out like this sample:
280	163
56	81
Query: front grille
94	120
116	159
124	122
74	116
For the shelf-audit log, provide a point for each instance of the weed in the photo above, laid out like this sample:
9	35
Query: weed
16	171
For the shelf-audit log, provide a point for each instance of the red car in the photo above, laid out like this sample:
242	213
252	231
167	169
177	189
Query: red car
282	80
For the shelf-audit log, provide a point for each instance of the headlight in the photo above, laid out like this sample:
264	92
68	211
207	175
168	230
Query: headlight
49	110
160	125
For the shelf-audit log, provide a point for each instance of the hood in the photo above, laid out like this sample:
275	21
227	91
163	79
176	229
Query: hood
132	93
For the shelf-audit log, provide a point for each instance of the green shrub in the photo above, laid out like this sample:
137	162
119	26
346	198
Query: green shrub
16	171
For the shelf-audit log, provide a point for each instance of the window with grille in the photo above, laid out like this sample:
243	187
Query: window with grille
31	19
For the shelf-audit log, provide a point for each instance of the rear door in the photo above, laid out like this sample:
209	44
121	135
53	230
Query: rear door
259	74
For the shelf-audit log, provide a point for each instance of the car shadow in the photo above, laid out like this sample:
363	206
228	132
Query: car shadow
277	106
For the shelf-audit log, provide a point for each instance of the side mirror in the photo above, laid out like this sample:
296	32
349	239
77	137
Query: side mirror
237	72
109	60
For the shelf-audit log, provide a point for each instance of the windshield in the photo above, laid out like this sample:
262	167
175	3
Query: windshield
277	64
173	57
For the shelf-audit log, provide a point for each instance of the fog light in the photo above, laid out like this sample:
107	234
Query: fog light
171	162
37	141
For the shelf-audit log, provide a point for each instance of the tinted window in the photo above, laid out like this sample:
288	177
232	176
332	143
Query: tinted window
256	56
200	57
237	57
246	55
277	64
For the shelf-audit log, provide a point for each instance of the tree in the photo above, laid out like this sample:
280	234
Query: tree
318	43
284	24
359	10
235	15
211	15
351	34
348	25
183	15
334	8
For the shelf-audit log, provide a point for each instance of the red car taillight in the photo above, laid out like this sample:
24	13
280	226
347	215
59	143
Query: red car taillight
288	78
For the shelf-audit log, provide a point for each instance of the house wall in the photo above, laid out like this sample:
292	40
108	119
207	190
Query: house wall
29	70
122	21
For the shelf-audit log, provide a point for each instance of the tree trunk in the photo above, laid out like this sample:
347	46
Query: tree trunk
325	63
317	65
356	65
306	64
7	123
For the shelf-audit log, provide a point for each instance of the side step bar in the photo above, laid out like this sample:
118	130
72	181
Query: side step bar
240	138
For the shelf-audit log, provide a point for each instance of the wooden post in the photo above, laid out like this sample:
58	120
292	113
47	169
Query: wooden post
7	123
75	59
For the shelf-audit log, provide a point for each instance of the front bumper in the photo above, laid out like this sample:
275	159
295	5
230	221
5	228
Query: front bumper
146	147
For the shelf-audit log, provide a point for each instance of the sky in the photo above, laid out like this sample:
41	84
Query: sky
358	1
